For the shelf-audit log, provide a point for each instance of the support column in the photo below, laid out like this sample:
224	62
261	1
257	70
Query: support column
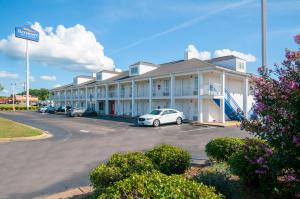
150	95
118	99
200	100
172	90
133	113
222	100
78	98
86	98
71	97
65	101
245	97
96	99
106	100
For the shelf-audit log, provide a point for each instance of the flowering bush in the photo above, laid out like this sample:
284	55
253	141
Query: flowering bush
277	96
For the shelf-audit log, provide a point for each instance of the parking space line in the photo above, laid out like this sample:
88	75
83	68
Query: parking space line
199	129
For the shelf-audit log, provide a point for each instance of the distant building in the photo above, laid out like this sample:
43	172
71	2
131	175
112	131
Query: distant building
19	99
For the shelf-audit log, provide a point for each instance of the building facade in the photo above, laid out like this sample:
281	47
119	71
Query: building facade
213	90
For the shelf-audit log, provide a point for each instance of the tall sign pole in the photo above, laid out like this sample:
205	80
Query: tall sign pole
263	36
28	34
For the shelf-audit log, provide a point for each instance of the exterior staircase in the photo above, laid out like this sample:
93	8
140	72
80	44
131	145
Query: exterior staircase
232	109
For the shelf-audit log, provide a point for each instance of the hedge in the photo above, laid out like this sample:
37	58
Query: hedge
21	108
170	159
158	185
220	149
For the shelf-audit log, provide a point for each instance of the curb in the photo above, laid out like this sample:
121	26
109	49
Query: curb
78	192
44	135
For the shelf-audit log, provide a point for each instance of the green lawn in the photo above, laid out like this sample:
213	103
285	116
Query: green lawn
10	129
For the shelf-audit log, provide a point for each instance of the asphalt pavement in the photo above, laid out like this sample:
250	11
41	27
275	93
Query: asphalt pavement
33	168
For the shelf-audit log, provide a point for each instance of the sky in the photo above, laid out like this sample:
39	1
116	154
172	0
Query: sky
81	37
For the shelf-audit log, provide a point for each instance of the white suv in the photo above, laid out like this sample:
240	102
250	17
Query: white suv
161	116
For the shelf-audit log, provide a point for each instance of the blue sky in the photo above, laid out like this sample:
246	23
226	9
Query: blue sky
132	30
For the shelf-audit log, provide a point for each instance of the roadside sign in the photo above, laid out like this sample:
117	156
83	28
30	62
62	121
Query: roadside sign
27	33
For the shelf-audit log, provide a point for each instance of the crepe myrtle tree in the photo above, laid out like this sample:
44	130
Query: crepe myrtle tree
277	106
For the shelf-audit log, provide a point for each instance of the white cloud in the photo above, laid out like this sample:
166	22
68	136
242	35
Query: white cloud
57	85
73	48
6	74
48	78
225	52
192	52
4	91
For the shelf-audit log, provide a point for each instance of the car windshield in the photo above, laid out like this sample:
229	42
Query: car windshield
155	112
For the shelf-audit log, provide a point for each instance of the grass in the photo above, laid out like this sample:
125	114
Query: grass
10	129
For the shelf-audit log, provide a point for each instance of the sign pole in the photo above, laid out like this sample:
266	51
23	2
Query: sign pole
27	76
263	36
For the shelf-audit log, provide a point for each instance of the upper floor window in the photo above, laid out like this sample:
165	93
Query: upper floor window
134	70
99	76
240	65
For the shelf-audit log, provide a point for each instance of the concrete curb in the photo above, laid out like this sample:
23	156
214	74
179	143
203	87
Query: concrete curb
78	192
44	135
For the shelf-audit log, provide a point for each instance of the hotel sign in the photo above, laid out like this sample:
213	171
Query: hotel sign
27	33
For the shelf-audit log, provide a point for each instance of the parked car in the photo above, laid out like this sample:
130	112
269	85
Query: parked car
51	110
161	116
79	112
62	109
43	109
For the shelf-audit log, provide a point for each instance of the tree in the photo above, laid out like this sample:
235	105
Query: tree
277	104
1	88
42	93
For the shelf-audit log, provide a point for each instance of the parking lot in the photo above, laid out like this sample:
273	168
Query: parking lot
33	168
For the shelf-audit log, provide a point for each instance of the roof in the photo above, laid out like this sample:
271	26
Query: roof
109	71
144	63
121	76
223	58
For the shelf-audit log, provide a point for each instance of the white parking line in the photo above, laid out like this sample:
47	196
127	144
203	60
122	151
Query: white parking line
199	129
84	131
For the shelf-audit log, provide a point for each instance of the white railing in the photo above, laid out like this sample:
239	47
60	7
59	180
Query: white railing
161	94
186	92
212	89
142	93
112	94
124	94
100	95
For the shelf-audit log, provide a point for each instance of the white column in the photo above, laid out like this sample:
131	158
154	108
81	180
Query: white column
132	99
86	98
245	97
172	90
78	98
118	99
71	97
106	100
200	100
96	99
222	100
150	95
65	101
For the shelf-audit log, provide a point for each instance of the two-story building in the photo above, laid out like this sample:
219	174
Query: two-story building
212	90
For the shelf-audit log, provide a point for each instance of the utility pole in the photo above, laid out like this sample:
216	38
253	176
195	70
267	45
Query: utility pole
13	94
27	76
263	36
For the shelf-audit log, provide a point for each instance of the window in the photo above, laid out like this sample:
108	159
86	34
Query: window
99	76
196	83
240	65
134	70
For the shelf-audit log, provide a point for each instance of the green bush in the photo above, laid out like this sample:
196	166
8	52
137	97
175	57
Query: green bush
252	164
119	167
170	159
158	185
133	162
219	176
103	176
220	149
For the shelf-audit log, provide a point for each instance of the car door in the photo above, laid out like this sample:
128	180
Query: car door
164	117
172	116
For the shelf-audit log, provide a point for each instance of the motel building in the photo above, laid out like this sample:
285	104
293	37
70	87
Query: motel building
213	90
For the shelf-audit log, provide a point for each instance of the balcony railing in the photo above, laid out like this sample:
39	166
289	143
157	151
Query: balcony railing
161	94
100	95
212	89
112	94
142	94
186	92
125	94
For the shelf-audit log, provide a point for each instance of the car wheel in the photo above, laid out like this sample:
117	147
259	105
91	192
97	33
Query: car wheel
178	121
156	123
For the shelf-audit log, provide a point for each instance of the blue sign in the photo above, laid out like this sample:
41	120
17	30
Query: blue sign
27	33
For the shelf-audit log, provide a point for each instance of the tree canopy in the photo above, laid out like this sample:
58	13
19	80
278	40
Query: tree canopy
41	93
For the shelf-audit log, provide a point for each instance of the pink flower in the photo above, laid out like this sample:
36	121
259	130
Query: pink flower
297	38
293	85
260	160
296	140
297	194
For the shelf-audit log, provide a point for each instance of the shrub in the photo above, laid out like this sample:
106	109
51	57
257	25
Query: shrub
158	185
252	165
103	176
219	176
170	159
220	149
133	162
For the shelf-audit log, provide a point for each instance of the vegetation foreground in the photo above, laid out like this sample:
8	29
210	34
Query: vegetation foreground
10	129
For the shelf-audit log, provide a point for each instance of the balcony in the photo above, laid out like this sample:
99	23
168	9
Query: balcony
212	89
101	95
186	92
125	94
141	94
161	94
112	94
